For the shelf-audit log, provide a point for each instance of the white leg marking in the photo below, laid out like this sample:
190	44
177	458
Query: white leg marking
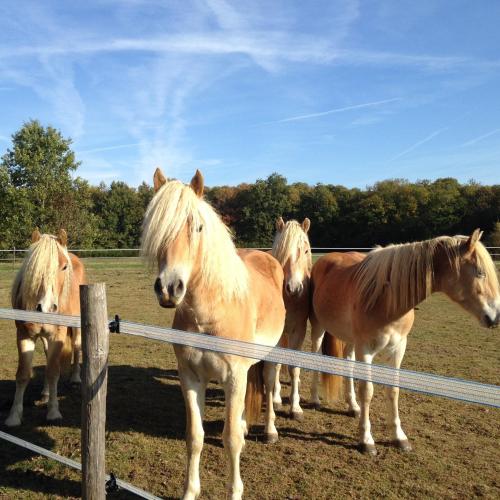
26	349
194	397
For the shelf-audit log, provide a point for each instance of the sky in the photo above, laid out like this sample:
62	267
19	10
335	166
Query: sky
337	91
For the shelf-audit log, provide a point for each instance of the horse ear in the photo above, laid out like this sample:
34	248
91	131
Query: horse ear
62	237
306	224
158	179
35	235
280	224
473	239
197	184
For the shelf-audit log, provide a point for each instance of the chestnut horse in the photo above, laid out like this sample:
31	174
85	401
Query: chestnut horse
48	281
367	302
221	291
292	250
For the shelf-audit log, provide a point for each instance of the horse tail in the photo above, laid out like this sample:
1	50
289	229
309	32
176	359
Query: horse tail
332	385
255	393
66	356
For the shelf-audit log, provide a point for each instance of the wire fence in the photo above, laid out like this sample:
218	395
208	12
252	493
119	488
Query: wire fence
14	255
437	385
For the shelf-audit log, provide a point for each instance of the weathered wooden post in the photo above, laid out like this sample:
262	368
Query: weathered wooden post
95	346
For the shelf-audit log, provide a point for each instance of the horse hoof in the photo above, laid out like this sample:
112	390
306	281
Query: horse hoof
13	421
403	445
277	406
53	416
354	413
368	449
44	399
270	438
297	415
317	406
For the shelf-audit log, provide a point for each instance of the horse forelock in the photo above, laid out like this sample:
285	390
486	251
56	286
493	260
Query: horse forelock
286	241
39	272
175	205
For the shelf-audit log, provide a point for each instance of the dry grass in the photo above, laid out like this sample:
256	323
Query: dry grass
455	445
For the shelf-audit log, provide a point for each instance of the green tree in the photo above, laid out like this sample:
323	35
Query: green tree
41	162
258	208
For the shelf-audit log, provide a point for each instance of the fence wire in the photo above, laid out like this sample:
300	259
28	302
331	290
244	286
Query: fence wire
452	388
71	463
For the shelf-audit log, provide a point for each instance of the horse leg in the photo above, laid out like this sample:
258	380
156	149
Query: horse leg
277	389
234	389
194	396
270	432
317	334
76	341
52	373
366	442
25	347
45	390
398	435
350	396
296	340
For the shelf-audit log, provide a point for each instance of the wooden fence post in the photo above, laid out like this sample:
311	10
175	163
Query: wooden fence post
95	346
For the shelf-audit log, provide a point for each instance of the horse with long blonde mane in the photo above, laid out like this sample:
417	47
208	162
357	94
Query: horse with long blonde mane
292	250
368	302
48	281
221	291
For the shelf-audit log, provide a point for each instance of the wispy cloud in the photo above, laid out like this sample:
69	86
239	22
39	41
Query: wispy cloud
419	143
480	138
109	148
337	110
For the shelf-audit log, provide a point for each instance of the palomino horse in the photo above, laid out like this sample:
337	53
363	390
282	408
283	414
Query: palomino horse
48	281
292	250
368	302
216	290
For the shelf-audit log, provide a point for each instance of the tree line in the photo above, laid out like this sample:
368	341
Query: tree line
38	188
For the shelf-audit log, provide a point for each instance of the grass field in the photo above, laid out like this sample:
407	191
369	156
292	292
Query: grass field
456	445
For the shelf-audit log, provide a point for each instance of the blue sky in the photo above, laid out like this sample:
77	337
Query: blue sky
340	91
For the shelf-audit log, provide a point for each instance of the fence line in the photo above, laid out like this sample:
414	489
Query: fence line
72	463
452	388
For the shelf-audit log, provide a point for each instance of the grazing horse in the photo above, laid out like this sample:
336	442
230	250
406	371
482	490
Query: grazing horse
48	281
368	301
221	291
292	250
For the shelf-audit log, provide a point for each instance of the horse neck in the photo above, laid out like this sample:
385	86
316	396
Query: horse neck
203	297
404	292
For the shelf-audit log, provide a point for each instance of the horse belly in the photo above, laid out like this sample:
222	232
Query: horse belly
207	365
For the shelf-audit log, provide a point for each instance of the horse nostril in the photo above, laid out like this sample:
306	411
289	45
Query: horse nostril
179	287
54	307
158	286
39	308
288	288
489	322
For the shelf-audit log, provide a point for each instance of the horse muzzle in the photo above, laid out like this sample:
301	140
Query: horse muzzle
294	289
171	295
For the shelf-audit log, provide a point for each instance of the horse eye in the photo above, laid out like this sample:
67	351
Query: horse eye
480	273
65	267
307	251
200	228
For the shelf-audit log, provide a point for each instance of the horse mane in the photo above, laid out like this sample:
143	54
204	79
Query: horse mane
39	271
176	204
404	273
292	236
